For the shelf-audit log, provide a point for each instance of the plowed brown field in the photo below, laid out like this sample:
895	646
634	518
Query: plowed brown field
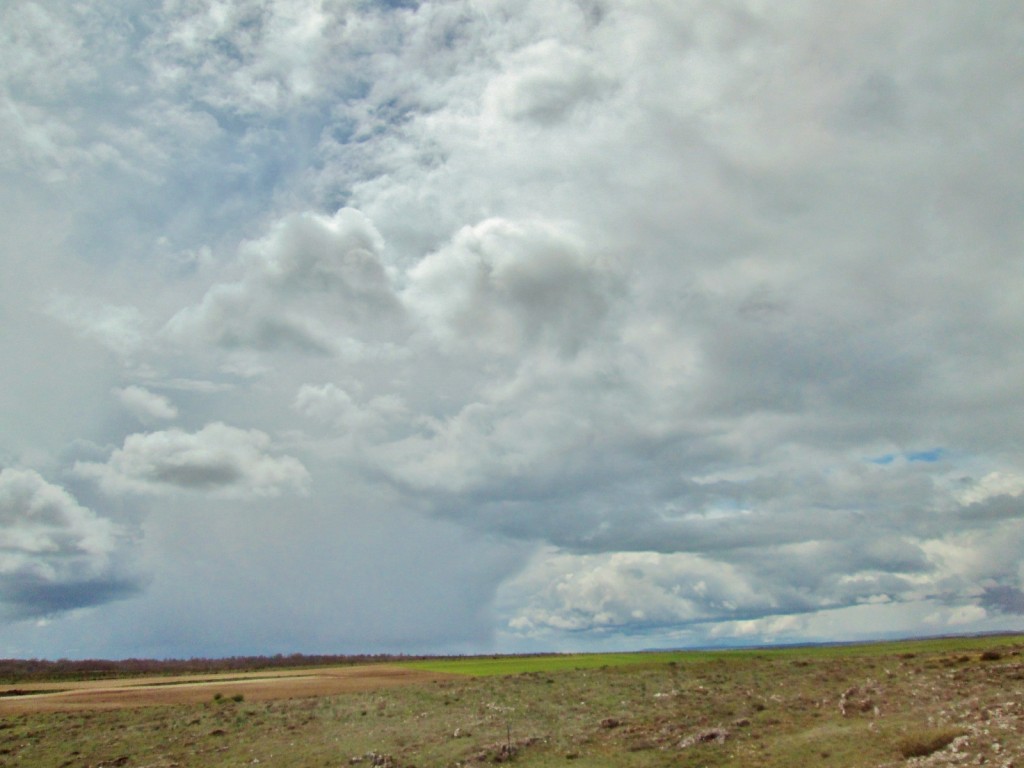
189	689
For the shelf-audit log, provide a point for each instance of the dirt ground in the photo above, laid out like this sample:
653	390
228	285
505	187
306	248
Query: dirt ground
948	702
191	689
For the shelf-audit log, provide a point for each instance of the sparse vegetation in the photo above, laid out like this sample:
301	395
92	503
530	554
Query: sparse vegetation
925	742
852	706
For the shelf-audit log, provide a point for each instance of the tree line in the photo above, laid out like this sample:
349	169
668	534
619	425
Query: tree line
23	670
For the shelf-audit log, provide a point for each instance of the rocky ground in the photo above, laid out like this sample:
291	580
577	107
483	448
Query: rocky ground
948	705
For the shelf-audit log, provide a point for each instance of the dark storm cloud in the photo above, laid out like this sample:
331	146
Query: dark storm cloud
29	597
55	554
1004	599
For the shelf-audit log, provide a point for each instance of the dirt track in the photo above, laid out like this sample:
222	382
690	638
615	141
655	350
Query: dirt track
191	689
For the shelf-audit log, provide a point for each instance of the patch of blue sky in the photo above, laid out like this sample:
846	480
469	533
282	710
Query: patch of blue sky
210	193
396	5
930	456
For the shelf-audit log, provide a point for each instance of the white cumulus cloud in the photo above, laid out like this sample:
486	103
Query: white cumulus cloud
218	459
310	284
630	590
146	406
505	286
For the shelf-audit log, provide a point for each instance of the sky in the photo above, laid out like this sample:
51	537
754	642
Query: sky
467	326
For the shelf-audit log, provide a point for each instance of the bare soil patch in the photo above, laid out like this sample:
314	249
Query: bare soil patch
191	689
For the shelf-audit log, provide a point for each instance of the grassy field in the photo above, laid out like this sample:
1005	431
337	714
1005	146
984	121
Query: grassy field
922	703
511	665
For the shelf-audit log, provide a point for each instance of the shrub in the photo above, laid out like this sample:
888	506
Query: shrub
924	742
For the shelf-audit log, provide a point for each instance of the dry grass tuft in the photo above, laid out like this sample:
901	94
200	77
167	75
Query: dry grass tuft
924	742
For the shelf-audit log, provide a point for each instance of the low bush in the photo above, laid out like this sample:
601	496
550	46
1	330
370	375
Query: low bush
925	742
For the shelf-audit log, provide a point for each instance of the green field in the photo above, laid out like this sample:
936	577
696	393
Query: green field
920	703
512	665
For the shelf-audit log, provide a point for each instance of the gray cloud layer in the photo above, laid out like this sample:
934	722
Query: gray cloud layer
700	322
55	554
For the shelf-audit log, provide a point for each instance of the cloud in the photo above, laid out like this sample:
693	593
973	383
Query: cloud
121	329
1005	599
146	406
639	592
630	592
55	554
505	285
327	403
250	57
994	484
807	589
307	285
699	324
218	459
544	82
331	405
43	51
